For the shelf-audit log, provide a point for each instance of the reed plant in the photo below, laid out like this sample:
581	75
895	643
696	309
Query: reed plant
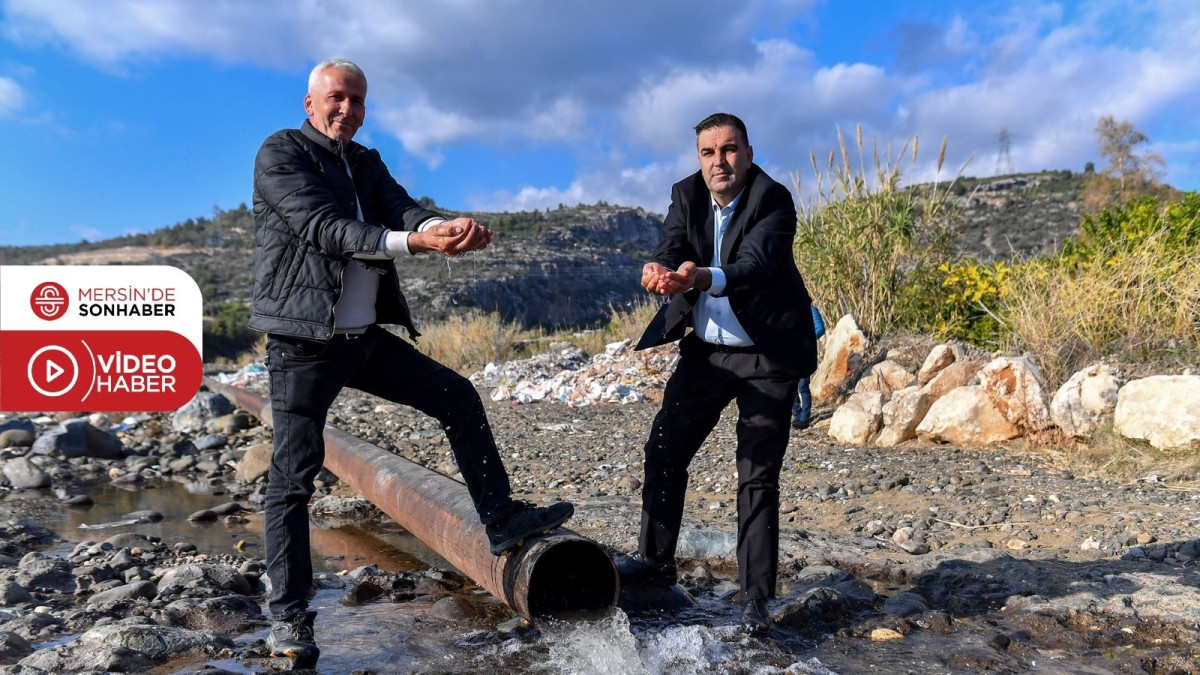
867	245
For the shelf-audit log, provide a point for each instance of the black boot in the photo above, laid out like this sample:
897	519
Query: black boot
293	638
525	521
755	620
637	570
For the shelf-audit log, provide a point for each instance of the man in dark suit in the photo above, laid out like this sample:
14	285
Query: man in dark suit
725	260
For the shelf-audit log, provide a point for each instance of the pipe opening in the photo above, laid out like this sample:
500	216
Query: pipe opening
575	575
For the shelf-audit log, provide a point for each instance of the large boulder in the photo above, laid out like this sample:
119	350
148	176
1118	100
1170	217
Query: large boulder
857	420
845	346
1015	386
206	576
78	438
40	572
885	377
1164	410
1085	399
902	414
966	416
255	463
18	433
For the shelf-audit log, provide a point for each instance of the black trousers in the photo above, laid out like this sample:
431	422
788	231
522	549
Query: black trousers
703	384
306	376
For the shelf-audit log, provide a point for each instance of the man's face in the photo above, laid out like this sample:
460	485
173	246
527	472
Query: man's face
724	161
337	103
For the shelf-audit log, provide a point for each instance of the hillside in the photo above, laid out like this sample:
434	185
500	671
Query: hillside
555	268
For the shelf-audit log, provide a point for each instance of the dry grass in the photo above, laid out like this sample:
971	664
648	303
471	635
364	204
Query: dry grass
1109	453
467	343
863	239
1134	305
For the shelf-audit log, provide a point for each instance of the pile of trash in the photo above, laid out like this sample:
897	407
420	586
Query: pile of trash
566	375
248	376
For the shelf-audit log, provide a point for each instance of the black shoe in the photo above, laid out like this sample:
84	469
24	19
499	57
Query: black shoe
524	521
755	619
293	638
637	570
800	424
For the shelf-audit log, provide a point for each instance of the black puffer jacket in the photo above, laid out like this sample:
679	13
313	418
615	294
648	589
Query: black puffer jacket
306	230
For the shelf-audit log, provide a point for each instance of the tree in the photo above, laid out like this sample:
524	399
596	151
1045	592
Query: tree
1132	171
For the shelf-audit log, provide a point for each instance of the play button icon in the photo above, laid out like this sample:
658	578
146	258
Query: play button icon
49	368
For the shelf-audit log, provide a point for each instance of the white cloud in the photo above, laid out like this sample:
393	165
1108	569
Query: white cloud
12	98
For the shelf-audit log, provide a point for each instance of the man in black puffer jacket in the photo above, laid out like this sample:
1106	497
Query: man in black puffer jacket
329	219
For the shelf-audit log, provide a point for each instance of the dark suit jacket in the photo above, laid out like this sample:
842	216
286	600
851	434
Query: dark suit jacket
764	287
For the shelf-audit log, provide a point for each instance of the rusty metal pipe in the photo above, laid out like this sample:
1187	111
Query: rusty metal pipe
559	572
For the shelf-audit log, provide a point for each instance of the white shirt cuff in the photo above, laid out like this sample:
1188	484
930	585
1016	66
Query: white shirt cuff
718	281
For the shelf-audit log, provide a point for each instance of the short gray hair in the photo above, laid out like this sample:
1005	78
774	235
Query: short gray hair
339	63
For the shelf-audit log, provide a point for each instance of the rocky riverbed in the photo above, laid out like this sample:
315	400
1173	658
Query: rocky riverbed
913	558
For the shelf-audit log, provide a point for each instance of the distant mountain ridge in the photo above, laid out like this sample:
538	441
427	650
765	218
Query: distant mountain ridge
561	267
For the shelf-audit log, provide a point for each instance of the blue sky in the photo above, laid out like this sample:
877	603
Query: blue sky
128	115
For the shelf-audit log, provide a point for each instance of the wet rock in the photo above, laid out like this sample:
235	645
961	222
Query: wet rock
34	626
228	509
231	424
1085	399
1015	386
814	606
857	421
79	501
905	604
24	474
885	635
350	508
40	572
195	415
12	593
361	593
979	658
701	543
1161	410
145	590
857	592
845	346
966	416
144	516
203	516
131	540
255	463
226	614
123	648
13	647
453	608
204	576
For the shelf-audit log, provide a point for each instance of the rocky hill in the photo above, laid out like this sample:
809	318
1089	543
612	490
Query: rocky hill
562	267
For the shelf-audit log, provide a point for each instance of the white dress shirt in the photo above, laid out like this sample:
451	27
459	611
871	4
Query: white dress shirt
712	317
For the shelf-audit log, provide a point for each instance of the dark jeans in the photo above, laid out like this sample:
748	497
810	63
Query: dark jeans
306	376
802	408
703	384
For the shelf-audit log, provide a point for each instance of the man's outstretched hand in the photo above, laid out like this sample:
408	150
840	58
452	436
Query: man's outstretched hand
451	237
662	281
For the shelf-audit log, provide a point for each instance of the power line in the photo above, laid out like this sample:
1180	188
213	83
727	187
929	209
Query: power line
1004	163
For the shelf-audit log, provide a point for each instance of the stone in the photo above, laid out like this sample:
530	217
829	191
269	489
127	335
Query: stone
845	346
255	463
821	604
122	647
130	540
453	608
17	437
146	590
195	415
885	377
203	516
144	516
905	604
226	614
13	647
205	575
1015	386
953	376
857	421
966	416
210	442
1164	410
902	414
1085	400
24	474
884	634
40	572
939	357
12	593
78	438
